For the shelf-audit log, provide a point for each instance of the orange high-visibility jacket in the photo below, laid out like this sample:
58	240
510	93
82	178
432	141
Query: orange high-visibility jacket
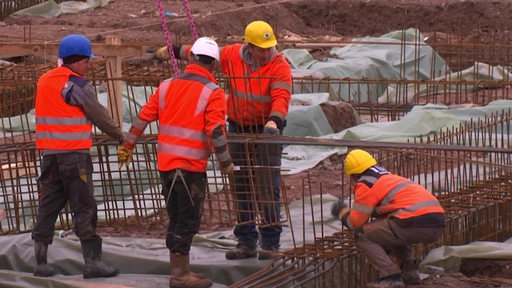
255	95
188	107
59	126
390	196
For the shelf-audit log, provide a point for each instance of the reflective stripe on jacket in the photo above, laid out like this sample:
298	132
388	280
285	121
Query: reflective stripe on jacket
59	126
188	108
390	195
255	95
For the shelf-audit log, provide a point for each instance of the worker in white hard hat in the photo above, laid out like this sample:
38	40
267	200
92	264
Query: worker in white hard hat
260	84
390	212
191	110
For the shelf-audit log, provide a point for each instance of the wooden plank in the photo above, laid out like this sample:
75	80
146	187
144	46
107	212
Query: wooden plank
114	71
50	49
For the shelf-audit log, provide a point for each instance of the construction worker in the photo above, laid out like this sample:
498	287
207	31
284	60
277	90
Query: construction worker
403	213
66	109
258	101
191	111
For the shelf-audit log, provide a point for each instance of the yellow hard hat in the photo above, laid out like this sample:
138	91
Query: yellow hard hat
260	33
357	161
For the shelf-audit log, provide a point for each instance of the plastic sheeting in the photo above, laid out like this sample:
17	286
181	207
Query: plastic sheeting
51	9
145	262
395	55
449	257
421	120
306	117
480	71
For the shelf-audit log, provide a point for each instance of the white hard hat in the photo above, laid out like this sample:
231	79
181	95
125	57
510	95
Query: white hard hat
206	46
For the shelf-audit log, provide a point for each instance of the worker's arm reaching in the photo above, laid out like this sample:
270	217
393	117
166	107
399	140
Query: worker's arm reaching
341	211
180	52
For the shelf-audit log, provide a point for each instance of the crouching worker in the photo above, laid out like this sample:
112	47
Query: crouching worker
403	213
191	110
67	107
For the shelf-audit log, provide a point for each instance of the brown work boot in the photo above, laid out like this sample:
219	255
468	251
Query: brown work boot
410	273
391	281
189	281
268	253
182	277
241	252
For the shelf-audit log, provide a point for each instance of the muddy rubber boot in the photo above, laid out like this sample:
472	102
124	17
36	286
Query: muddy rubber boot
410	273
241	252
94	267
182	277
42	269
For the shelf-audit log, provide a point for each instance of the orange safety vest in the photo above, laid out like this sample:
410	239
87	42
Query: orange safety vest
59	126
391	196
188	108
255	95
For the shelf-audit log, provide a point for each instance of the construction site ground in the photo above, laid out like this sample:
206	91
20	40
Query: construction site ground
294	20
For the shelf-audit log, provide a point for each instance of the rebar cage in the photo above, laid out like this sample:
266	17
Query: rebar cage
467	167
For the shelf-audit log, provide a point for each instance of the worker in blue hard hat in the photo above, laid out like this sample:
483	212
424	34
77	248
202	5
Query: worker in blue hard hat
66	109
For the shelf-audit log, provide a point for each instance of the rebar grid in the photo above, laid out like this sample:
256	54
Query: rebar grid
314	265
467	167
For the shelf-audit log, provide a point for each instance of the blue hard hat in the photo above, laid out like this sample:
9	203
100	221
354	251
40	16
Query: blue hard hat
75	45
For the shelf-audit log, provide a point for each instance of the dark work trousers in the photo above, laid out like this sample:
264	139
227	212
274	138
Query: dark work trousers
257	189
386	234
66	178
184	202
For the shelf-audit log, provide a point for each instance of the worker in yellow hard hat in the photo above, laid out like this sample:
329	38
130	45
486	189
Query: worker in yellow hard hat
389	213
260	83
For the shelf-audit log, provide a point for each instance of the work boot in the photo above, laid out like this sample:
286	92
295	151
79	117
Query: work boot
267	253
182	277
42	269
241	252
410	273
94	267
391	281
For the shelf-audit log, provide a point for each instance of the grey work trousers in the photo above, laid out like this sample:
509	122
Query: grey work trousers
385	234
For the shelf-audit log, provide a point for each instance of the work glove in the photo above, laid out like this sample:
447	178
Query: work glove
271	128
161	54
340	210
124	156
228	170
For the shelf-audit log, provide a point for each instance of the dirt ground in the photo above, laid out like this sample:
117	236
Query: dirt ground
293	20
